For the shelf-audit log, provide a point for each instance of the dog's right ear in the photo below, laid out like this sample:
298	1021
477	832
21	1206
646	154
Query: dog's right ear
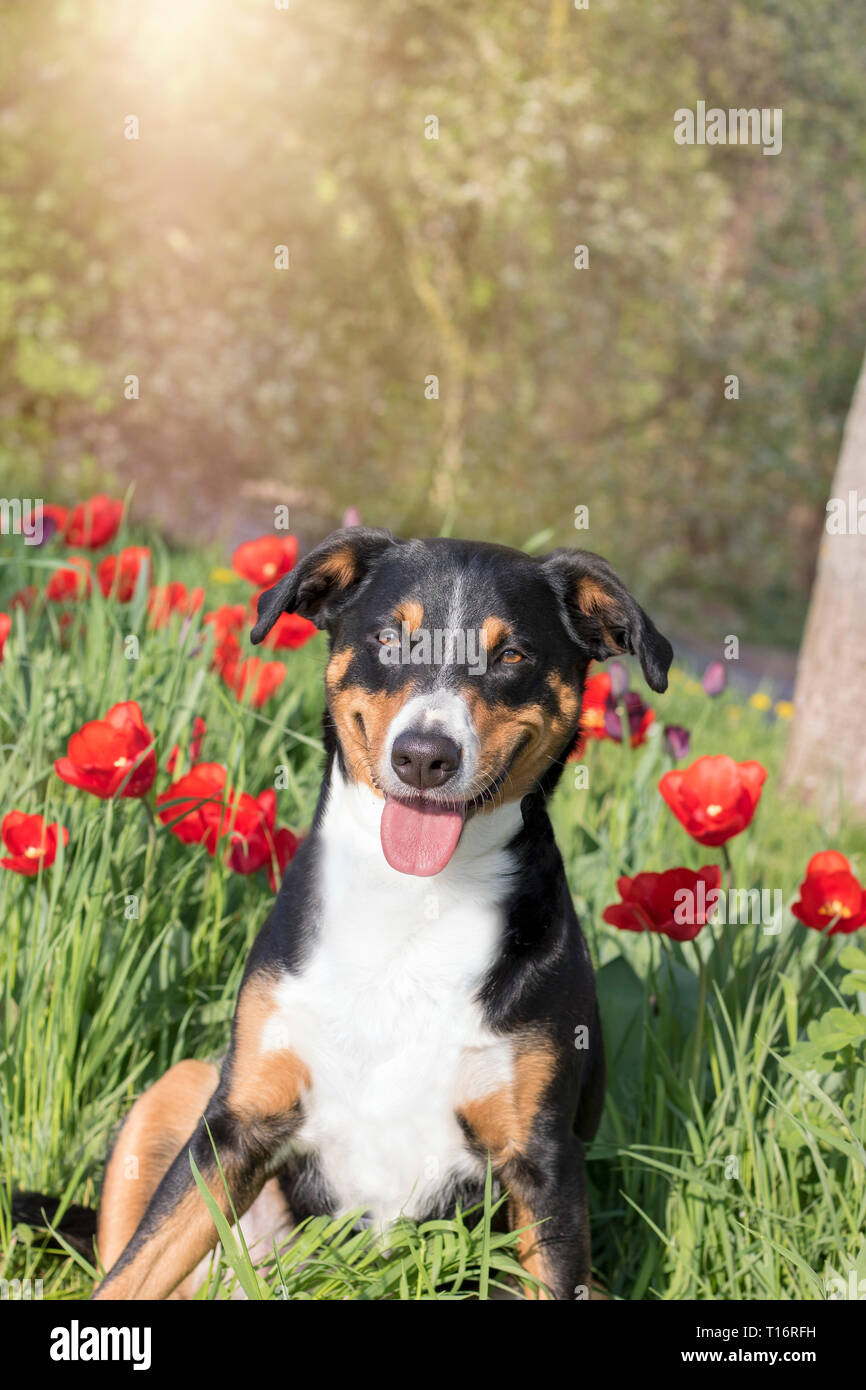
319	586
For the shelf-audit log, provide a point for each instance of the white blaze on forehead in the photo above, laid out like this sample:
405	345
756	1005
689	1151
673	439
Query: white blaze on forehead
438	712
455	620
456	608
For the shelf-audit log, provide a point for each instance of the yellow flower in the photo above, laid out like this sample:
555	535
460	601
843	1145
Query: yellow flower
784	709
693	688
223	576
760	701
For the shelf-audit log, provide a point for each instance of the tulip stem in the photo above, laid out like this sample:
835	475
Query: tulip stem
823	948
725	946
702	1008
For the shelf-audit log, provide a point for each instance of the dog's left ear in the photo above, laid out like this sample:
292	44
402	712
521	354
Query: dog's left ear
602	616
319	586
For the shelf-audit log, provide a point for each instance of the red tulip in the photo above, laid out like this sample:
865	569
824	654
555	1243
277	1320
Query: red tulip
715	798
596	695
166	599
289	631
676	903
226	654
71	582
65	622
199	729
252	842
254	680
31	843
830	893
285	848
265	560
201	811
5	629
110	753
257	843
94	523
206	810
226	622
231	617
24	598
118	574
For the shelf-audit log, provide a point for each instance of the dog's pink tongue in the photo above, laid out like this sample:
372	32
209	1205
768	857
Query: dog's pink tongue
418	839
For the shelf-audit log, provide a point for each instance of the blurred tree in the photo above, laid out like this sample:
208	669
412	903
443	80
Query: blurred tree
413	256
827	753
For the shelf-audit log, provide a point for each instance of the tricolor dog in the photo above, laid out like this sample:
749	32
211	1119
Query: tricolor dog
421	997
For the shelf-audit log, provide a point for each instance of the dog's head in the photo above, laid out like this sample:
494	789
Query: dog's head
456	670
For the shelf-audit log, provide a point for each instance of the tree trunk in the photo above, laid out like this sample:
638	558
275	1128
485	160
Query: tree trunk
826	759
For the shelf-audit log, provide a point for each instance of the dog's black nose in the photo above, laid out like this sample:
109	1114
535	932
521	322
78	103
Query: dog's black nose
424	760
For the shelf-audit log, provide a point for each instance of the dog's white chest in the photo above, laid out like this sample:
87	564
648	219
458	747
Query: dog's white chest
384	1013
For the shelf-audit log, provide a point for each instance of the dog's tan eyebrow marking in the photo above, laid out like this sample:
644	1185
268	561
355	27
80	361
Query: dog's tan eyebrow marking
495	631
411	612
338	666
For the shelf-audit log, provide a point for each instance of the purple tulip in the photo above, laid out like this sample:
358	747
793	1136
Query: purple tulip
635	709
49	528
715	678
618	679
352	517
612	722
677	740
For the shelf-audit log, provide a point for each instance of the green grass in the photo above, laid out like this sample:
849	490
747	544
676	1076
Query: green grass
731	1167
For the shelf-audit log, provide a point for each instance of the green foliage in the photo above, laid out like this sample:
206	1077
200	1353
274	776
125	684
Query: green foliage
730	1160
450	257
739	1152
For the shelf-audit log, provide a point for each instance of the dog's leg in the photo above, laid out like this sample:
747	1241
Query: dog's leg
252	1114
176	1230
151	1138
556	1250
544	1174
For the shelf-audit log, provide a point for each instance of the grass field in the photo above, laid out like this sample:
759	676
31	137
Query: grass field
730	1163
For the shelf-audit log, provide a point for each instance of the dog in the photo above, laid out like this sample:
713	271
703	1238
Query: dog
420	1001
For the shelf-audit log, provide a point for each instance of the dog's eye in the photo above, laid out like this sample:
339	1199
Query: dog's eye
389	637
511	656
